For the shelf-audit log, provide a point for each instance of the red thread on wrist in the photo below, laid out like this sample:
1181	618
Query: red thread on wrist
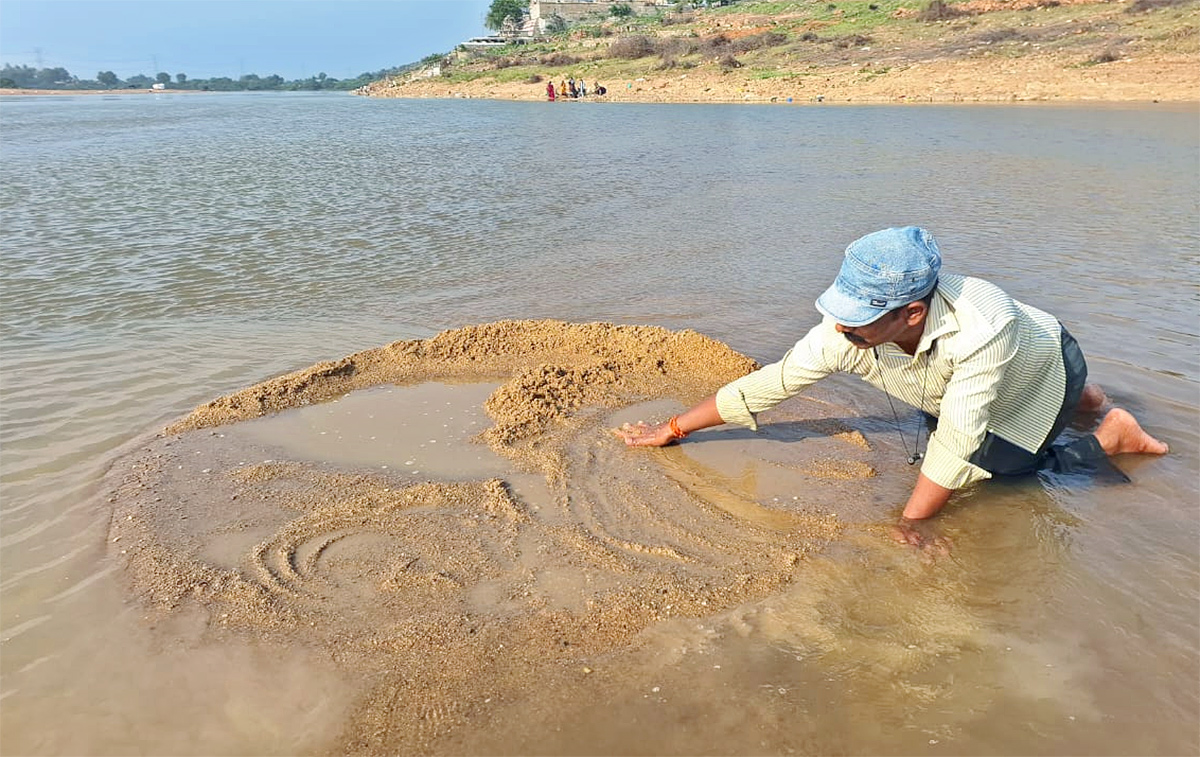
674	425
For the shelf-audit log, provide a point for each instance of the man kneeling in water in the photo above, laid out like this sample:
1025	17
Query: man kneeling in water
1001	377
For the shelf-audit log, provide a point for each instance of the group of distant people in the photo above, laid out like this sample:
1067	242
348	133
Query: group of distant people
571	88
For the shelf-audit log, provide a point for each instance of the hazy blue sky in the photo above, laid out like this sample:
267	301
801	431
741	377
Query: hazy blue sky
208	38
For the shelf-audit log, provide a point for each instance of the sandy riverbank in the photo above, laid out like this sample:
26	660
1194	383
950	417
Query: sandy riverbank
1162	79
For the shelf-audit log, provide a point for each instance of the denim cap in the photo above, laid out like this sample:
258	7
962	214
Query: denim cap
882	271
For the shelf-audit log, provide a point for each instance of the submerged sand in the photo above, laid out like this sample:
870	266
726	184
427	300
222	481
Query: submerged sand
444	599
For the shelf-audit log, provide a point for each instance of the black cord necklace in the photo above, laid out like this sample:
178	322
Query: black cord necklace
916	454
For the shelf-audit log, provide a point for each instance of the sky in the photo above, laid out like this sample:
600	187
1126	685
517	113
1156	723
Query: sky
209	38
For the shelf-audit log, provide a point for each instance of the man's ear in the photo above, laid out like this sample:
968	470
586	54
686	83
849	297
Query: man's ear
915	312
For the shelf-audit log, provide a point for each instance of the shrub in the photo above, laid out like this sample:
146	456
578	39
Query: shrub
853	40
670	59
714	46
558	59
632	48
1106	56
676	46
533	79
757	41
1141	6
1001	35
938	10
620	11
809	37
728	62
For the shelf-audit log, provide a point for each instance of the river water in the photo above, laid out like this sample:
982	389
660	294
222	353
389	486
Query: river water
161	250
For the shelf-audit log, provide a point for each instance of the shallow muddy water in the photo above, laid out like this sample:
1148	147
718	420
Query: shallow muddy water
162	251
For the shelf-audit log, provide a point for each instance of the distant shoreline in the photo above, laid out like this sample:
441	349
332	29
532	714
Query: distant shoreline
138	91
478	92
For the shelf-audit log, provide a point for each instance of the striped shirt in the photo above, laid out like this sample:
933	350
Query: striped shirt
985	362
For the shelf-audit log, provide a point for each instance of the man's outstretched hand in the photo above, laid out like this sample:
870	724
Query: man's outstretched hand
641	434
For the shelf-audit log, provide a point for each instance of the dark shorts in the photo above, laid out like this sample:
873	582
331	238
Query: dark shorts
1001	457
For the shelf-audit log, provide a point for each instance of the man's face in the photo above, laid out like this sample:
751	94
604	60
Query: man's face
890	327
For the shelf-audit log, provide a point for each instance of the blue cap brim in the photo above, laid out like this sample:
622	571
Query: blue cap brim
847	310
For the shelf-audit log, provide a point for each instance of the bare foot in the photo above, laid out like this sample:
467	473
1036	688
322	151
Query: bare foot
1120	433
1092	399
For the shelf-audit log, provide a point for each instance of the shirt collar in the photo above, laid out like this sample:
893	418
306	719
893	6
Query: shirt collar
939	322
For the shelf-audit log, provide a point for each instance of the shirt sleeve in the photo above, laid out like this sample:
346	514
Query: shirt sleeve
966	409
811	360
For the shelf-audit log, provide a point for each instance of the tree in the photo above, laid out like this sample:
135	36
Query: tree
181	78
108	79
162	77
139	81
7	83
502	9
53	77
24	76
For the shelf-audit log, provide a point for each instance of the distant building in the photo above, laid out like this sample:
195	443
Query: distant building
483	43
570	11
574	11
158	85
511	33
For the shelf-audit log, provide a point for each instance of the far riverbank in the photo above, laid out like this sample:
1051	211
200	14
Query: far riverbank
1031	79
967	51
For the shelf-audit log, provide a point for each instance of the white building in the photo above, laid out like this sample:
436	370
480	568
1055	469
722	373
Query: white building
573	11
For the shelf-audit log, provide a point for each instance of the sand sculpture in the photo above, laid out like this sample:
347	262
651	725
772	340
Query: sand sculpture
431	592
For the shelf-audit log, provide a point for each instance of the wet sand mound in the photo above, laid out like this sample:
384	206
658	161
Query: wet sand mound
634	359
444	597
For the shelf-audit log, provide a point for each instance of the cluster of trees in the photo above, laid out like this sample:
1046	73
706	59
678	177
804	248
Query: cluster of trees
26	77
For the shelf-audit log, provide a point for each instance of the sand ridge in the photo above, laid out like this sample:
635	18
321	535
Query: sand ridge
636	359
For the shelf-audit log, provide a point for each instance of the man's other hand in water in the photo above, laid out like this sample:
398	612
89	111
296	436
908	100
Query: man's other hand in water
920	535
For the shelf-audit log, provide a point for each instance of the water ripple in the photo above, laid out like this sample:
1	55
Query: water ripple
157	254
